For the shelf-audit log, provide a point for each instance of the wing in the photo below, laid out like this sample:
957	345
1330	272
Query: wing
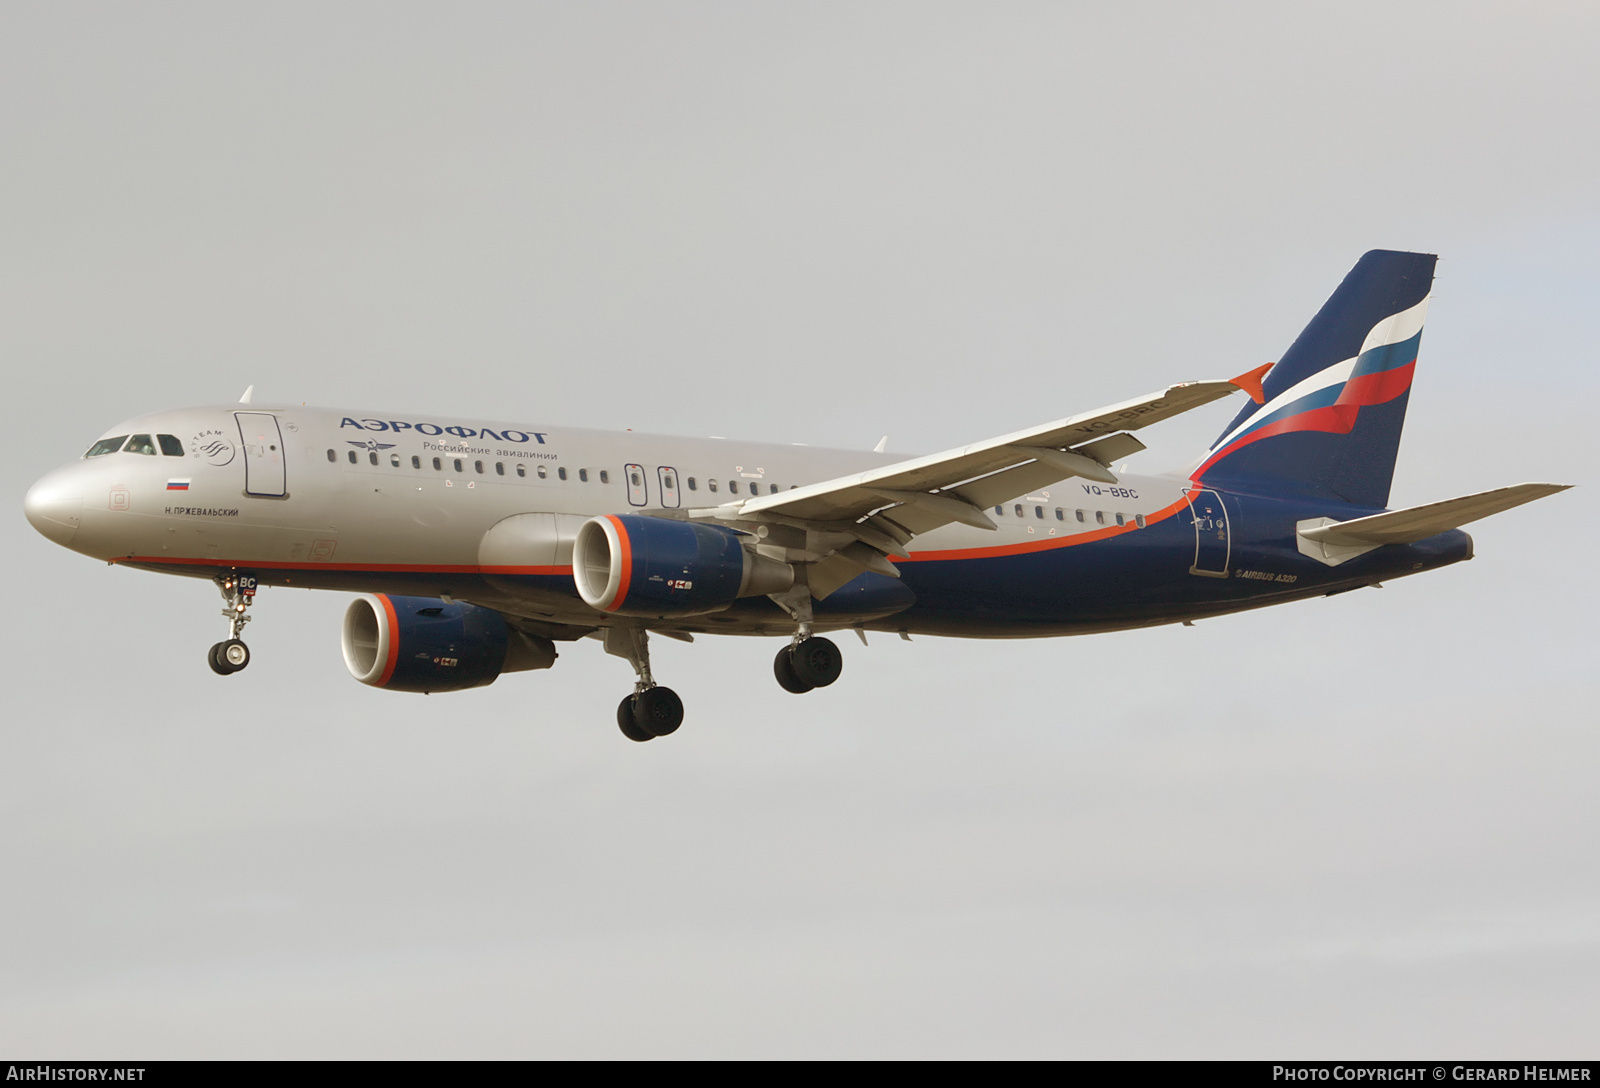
1420	522
852	523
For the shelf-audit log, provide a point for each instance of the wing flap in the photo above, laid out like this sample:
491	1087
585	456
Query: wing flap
848	498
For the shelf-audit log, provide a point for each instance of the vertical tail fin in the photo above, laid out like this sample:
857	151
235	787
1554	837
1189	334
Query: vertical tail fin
1335	403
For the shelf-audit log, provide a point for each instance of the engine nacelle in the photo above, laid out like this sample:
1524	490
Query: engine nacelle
637	566
424	644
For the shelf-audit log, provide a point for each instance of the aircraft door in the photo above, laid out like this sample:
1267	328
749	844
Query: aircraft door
263	454
668	479
638	490
1211	540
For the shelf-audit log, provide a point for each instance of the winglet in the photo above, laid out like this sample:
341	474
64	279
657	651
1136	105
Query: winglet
1250	382
248	393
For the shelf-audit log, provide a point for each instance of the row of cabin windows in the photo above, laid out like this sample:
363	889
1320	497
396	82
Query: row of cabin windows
137	443
733	486
1080	515
459	464
541	471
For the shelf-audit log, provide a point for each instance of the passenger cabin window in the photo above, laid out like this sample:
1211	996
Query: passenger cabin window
733	487
1121	520
416	462
711	485
333	457
541	471
352	457
1100	517
605	477
1019	509
457	462
583	475
522	470
438	465
1061	515
106	445
1138	519
394	460
1080	515
140	443
373	457
499	468
561	473
692	485
170	445
477	466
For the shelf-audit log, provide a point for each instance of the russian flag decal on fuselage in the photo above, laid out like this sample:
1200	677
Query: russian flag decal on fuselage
178	485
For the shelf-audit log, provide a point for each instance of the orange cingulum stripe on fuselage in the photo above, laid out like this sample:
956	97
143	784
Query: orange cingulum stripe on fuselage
1047	544
392	568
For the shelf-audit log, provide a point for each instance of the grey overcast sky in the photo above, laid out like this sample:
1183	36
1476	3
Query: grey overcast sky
1362	826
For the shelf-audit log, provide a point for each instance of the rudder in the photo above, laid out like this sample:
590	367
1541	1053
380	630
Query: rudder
1336	402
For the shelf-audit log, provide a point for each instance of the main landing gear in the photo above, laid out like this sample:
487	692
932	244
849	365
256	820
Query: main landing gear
809	661
651	711
806	663
239	590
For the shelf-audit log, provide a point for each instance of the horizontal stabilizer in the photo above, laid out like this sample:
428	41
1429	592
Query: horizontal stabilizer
1421	522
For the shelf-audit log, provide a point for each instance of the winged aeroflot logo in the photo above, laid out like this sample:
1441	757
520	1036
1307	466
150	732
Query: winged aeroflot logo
373	444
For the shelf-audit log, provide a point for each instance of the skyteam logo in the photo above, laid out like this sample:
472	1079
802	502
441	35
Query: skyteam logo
1331	400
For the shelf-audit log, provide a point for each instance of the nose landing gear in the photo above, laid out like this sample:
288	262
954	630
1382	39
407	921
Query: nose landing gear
239	591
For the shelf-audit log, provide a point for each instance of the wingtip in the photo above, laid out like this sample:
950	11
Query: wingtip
1250	382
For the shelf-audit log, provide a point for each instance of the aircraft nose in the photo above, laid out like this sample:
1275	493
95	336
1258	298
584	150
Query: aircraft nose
54	506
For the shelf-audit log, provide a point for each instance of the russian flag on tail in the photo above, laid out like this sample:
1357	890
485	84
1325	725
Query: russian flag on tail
1335	404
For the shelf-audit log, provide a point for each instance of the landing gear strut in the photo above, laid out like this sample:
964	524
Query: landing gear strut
809	661
239	591
651	711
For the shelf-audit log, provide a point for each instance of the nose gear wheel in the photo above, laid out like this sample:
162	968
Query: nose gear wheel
228	657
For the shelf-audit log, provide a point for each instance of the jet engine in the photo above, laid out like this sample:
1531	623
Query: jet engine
426	644
637	566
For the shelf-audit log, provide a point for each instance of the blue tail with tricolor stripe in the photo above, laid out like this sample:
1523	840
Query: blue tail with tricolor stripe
1334	405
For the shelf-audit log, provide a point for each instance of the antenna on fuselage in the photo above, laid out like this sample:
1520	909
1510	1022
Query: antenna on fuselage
249	391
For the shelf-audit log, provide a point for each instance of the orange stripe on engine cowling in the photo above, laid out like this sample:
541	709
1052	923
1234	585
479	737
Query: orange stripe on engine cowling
394	640
624	558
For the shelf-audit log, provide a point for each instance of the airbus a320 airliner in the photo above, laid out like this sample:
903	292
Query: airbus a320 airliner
482	545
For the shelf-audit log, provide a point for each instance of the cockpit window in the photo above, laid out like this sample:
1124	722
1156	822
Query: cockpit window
170	445
106	445
140	443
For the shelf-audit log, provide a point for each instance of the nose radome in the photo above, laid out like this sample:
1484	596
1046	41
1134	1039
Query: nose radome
54	506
